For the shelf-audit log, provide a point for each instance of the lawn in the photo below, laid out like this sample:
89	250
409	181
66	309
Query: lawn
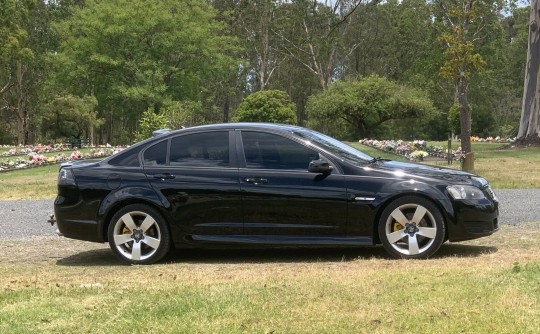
31	183
491	285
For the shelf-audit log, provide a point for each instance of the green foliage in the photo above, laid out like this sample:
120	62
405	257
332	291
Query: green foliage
271	106
453	118
463	22
183	114
71	116
461	58
149	122
136	55
194	61
365	104
13	33
6	138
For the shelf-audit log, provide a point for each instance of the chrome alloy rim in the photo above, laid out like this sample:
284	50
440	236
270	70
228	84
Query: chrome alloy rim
137	235
411	229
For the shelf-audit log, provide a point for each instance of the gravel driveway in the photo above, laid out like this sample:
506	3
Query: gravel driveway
26	218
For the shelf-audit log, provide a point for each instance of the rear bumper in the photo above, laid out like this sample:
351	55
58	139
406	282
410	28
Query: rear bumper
72	224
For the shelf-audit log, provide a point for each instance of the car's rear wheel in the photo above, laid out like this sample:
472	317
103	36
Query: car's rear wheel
411	227
138	234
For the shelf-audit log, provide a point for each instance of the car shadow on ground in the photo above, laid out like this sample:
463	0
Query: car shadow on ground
105	257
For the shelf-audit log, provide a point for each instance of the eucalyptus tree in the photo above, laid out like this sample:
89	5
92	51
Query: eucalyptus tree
508	107
134	55
529	127
464	25
18	26
313	35
388	38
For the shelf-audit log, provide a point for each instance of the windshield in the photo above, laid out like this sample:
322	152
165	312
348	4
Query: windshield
334	146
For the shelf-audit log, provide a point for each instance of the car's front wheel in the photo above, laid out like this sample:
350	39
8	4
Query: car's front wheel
411	227
138	234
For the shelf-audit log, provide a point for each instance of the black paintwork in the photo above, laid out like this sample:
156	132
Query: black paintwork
236	205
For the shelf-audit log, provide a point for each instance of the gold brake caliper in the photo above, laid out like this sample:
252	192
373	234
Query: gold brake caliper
398	226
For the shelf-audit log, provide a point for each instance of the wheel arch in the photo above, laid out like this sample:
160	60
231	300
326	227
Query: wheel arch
387	201
107	211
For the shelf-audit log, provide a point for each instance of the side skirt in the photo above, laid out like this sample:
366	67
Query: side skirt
278	240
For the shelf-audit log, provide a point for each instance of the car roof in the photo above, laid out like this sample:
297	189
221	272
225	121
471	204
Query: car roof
223	126
165	133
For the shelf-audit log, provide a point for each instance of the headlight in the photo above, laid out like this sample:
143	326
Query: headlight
492	193
465	192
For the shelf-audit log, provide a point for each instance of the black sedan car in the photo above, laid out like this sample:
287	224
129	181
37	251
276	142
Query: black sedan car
266	185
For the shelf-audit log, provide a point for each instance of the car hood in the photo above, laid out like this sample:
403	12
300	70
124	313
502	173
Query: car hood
421	170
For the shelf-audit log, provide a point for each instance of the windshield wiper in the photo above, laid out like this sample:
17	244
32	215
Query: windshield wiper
377	159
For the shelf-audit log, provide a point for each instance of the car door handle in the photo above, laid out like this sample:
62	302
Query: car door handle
164	176
256	180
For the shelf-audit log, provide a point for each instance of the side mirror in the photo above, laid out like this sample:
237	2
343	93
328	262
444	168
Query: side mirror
320	167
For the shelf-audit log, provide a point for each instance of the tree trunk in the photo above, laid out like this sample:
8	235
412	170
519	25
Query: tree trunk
530	110
465	122
226	110
22	111
464	114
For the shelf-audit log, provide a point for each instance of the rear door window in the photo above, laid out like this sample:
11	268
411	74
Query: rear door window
209	149
156	155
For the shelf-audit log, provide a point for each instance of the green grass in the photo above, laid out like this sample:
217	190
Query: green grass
490	285
30	183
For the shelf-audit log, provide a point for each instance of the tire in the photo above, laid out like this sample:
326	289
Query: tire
411	227
138	234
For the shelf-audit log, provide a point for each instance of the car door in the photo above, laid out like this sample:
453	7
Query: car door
280	196
197	174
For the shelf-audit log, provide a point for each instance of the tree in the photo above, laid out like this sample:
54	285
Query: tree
529	125
271	106
366	104
17	56
71	116
312	34
150	122
184	114
465	22
136	55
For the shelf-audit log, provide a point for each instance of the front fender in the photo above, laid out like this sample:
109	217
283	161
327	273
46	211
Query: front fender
395	190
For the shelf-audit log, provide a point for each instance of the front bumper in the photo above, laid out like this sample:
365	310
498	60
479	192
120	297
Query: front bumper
474	219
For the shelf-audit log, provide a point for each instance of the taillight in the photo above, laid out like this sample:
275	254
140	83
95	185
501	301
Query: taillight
66	177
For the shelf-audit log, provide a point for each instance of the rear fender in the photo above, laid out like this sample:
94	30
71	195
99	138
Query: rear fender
125	196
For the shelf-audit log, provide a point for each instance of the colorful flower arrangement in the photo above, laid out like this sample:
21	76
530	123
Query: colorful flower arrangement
419	155
497	139
40	149
416	150
35	159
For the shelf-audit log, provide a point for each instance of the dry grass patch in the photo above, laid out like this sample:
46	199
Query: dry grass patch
489	285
